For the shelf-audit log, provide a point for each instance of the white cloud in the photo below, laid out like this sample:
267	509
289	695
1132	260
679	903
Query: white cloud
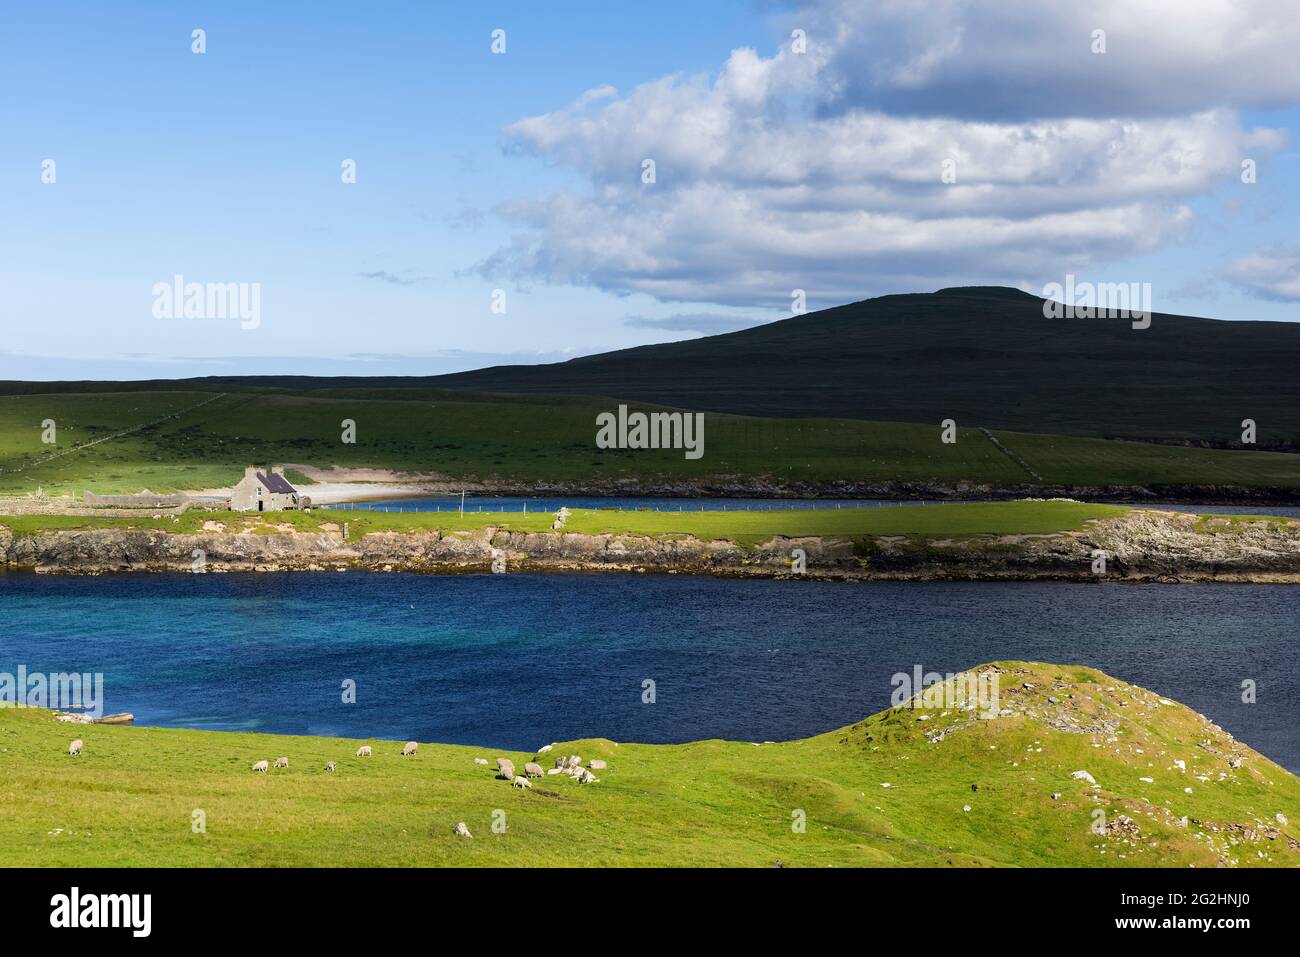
780	173
1270	273
1033	58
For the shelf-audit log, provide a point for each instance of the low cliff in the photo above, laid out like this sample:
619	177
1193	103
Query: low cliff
1138	546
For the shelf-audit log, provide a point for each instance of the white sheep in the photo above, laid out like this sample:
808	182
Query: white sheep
330	766
507	768
462	831
363	751
75	747
261	766
480	760
281	762
585	777
533	770
410	748
596	764
521	782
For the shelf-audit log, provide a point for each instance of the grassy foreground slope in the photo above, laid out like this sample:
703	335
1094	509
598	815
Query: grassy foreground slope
192	440
892	790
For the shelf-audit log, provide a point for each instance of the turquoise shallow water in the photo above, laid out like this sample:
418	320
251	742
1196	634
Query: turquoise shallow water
521	660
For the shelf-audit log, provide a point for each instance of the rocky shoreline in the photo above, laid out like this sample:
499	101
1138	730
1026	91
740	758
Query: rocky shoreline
1140	546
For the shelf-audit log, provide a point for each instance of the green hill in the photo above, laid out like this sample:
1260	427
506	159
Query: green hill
936	786
124	441
982	356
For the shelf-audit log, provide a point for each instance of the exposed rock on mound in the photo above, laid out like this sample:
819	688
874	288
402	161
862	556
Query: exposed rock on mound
1143	777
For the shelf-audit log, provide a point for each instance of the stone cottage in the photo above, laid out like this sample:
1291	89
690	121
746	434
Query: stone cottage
264	492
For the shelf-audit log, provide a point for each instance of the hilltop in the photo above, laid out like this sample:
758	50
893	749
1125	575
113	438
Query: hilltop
1075	769
984	356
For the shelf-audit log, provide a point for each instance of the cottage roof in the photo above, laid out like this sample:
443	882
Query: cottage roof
276	483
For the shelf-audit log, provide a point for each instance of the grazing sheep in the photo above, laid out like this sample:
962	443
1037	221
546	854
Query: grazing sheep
410	748
480	760
574	760
596	764
75	747
533	770
585	777
562	762
461	830
521	782
281	762
507	768
261	766
363	751
330	766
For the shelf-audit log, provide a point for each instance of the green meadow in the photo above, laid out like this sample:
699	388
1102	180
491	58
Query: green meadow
527	439
896	789
976	518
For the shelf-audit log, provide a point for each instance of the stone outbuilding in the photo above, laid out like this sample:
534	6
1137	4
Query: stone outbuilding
266	491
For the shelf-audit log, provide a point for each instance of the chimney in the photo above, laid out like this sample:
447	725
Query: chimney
250	471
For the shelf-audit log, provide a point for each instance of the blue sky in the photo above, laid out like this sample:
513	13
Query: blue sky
477	172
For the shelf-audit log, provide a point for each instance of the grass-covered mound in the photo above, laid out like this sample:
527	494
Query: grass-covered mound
937	786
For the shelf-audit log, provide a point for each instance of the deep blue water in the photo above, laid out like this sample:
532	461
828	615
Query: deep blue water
506	503
520	660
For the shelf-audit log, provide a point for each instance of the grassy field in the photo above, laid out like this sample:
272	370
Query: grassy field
976	518
878	793
536	439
